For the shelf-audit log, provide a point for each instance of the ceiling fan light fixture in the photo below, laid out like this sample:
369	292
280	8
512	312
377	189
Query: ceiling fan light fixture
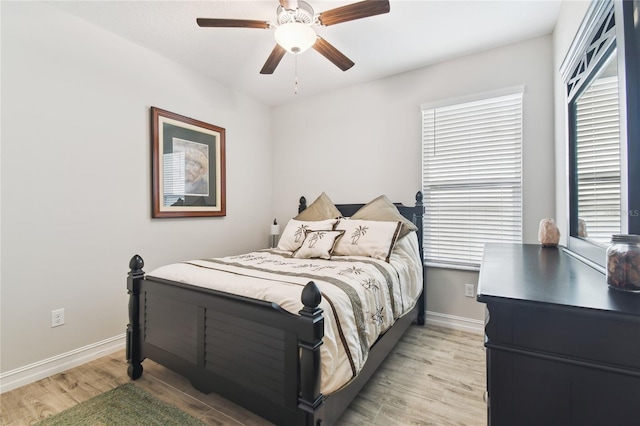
295	37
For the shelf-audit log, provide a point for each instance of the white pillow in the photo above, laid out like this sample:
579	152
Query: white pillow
294	233
318	244
367	238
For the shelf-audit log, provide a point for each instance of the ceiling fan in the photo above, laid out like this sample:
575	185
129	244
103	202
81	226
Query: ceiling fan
294	32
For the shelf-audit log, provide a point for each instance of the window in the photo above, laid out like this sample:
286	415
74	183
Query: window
471	177
598	159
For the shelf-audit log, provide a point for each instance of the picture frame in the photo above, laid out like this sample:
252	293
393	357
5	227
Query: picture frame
188	166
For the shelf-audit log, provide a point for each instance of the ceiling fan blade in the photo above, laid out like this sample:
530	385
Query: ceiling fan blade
331	53
353	11
232	23
289	4
273	60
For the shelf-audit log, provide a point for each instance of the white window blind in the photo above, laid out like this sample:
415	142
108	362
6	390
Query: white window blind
173	182
598	152
471	178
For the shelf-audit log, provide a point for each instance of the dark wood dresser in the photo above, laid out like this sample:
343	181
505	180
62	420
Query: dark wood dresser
562	348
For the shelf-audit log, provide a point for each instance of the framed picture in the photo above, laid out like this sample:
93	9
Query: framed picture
188	166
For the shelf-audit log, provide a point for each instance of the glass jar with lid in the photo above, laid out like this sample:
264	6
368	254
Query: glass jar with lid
623	262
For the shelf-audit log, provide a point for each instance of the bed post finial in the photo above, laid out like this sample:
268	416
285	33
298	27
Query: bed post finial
311	296
303	204
310	340
134	279
136	263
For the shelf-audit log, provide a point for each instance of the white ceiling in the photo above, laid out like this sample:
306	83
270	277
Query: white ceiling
414	34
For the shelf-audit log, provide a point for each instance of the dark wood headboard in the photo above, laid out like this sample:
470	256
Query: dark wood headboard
414	214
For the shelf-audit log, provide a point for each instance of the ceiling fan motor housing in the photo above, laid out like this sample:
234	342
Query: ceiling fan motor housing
303	14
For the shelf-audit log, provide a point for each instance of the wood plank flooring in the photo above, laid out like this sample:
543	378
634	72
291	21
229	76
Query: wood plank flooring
434	376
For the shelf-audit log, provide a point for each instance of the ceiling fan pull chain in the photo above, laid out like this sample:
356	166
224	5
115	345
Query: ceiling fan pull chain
295	81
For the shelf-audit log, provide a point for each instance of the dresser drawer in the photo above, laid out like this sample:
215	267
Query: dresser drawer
580	334
530	391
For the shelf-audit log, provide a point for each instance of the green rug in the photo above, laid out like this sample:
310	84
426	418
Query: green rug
125	405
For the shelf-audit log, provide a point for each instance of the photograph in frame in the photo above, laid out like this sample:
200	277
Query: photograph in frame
188	166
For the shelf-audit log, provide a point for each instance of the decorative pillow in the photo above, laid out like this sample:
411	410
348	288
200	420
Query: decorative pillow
381	209
321	209
318	244
294	233
367	238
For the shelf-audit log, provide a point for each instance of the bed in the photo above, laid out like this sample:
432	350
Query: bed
226	326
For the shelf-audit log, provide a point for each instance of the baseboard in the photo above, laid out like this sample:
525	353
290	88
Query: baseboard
452	321
39	370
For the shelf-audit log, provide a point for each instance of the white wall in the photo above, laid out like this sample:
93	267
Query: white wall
569	20
365	140
76	177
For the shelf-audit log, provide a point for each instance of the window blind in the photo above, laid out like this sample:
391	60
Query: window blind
471	178
598	151
173	174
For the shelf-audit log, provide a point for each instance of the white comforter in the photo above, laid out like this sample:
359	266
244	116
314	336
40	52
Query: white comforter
361	296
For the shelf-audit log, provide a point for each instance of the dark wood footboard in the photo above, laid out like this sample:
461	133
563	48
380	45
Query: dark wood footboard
250	351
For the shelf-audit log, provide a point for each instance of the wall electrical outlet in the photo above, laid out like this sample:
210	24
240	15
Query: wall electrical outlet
57	317
470	290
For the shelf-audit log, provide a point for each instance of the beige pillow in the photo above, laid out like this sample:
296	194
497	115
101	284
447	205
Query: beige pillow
294	233
381	209
318	244
322	208
367	238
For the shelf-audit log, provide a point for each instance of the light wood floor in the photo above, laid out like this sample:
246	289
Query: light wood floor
434	376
